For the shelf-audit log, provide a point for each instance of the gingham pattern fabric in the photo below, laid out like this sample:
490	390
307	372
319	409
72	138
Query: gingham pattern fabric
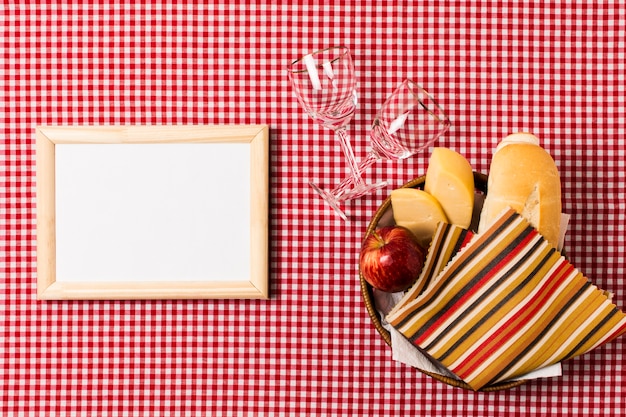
555	70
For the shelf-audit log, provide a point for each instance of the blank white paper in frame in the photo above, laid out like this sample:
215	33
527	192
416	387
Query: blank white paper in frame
137	212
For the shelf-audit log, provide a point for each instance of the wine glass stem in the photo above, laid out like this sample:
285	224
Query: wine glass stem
344	140
348	182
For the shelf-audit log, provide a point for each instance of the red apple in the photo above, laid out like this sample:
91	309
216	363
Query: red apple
391	258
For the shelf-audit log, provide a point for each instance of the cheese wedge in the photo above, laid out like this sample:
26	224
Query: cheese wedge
418	211
450	180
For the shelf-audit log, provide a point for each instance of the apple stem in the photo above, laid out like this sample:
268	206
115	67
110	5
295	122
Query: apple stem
379	239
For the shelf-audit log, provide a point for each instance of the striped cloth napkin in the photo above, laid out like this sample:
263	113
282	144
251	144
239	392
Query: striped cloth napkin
507	304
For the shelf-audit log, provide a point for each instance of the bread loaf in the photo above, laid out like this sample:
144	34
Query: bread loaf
524	177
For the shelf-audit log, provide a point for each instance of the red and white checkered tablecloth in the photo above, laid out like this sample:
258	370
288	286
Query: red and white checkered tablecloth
558	71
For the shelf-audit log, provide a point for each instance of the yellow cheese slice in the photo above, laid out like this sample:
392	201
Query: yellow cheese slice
418	211
450	180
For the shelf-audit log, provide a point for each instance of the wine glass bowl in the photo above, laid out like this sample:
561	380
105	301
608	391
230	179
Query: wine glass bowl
408	122
325	86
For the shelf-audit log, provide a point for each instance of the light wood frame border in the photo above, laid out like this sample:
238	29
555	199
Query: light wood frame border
254	288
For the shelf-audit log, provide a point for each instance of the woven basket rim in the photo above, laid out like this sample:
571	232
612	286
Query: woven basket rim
480	181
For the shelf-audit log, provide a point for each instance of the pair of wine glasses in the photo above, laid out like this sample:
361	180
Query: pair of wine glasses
408	122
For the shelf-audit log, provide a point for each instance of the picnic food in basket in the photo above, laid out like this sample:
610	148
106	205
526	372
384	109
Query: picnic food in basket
450	183
493	305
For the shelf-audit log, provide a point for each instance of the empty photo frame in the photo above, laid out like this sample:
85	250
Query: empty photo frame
152	212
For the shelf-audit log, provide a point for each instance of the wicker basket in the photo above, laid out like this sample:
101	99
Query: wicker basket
384	216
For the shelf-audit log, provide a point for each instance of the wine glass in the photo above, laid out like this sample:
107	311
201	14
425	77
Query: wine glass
325	85
408	122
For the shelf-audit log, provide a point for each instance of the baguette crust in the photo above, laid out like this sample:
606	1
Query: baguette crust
523	176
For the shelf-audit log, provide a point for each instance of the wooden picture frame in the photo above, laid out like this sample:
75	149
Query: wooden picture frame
255	142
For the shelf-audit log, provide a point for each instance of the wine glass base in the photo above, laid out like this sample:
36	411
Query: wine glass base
356	192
